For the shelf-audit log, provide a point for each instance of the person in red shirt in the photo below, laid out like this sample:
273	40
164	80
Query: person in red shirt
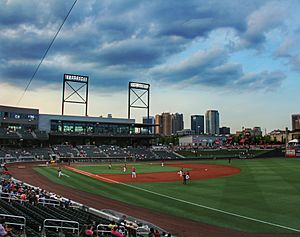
133	172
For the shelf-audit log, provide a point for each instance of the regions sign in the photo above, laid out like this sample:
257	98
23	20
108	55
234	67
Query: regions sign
71	77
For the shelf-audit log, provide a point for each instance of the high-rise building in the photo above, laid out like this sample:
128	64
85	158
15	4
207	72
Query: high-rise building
197	124
168	123
149	120
158	121
212	122
165	124
224	130
295	122
177	123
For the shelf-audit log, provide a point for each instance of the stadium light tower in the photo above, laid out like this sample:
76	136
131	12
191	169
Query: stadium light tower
75	83
138	96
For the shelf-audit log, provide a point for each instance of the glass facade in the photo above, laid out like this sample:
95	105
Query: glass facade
14	115
197	124
90	127
15	119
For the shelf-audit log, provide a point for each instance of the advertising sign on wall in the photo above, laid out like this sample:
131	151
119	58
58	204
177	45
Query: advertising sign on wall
290	153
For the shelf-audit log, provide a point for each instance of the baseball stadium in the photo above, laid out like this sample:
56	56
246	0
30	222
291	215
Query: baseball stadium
67	175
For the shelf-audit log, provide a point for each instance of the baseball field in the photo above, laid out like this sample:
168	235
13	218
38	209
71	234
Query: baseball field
254	196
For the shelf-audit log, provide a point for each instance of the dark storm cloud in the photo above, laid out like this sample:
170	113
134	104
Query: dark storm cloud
116	41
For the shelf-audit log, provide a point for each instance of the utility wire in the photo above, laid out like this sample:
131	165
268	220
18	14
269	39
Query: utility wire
46	52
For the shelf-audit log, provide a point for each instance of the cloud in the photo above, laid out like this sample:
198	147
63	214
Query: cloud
266	81
268	17
295	61
212	69
116	41
284	48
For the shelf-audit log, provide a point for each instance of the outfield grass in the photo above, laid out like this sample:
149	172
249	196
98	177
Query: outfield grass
266	189
219	153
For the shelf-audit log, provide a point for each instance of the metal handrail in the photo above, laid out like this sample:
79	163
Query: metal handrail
22	218
61	227
49	201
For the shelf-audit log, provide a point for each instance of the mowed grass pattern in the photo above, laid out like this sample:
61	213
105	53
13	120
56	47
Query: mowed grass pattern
266	189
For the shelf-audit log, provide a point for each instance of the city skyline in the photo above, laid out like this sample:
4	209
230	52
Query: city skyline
240	58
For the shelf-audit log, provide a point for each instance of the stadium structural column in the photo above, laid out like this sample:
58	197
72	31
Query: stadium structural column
70	80
139	89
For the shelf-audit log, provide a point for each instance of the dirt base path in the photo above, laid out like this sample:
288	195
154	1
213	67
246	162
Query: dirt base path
198	171
177	226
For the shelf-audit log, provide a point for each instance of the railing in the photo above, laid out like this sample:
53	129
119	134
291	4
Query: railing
10	220
10	197
47	201
61	225
102	229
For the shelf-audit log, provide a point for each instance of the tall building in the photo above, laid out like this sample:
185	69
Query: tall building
224	130
177	123
295	122
197	124
158	121
165	124
212	122
168	123
149	121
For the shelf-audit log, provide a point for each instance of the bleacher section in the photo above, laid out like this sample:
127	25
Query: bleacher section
114	151
141	153
91	151
166	155
88	151
41	153
23	134
66	151
41	135
51	215
26	135
8	134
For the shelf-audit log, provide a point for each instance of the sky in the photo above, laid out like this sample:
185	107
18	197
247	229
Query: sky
240	57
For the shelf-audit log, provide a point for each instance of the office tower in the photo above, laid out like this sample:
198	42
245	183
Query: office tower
166	124
158	121
295	122
197	124
177	123
224	130
212	122
149	121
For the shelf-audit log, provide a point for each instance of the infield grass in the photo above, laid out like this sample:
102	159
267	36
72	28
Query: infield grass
117	168
266	189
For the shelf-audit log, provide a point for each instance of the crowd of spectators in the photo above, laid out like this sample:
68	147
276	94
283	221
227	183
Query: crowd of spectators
15	191
89	151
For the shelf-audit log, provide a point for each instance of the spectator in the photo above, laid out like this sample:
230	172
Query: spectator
151	233
122	220
89	231
2	229
156	233
115	232
112	225
9	231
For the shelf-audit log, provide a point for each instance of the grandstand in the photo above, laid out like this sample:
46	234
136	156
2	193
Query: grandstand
30	211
